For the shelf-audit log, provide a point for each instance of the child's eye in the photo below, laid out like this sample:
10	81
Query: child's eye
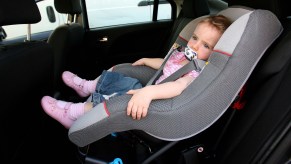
194	37
206	46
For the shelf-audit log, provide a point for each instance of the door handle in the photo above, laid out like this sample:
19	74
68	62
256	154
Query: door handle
103	39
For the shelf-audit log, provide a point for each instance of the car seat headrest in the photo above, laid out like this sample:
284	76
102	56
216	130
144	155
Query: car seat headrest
276	6
232	13
20	12
68	6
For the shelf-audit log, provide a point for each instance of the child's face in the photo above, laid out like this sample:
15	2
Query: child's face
203	40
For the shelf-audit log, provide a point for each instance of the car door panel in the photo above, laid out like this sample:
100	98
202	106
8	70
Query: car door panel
106	47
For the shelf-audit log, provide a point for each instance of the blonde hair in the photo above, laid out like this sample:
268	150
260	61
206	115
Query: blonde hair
219	22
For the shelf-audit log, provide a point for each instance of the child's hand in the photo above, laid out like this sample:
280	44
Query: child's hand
139	103
154	63
140	62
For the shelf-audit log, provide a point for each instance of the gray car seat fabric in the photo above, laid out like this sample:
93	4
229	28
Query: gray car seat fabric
205	100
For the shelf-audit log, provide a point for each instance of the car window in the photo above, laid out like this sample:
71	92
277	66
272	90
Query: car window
50	19
115	12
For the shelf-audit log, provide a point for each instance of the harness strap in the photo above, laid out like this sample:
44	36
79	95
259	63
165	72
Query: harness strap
194	64
160	70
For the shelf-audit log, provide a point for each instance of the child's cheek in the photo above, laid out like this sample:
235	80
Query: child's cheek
190	42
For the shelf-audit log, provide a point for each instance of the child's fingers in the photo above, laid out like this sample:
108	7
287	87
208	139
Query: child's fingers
129	107
134	111
139	62
139	113
131	92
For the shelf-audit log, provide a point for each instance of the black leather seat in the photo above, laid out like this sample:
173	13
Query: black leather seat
26	75
65	40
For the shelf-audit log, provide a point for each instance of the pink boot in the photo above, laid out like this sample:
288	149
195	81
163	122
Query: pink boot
49	105
75	82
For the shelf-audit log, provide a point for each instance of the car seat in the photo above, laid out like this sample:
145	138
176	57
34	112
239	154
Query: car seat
215	88
244	132
65	39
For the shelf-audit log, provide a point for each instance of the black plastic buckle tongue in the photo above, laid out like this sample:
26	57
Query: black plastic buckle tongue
190	54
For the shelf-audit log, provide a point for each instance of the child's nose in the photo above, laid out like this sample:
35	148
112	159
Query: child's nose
195	46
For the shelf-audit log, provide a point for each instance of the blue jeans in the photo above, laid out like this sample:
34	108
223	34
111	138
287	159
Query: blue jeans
113	84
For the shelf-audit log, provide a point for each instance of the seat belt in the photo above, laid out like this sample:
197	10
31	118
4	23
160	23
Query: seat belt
194	64
160	70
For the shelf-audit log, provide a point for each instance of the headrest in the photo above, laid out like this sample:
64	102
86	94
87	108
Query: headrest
232	13
194	9
68	6
278	7
18	12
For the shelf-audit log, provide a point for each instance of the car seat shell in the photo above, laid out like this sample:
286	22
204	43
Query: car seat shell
204	101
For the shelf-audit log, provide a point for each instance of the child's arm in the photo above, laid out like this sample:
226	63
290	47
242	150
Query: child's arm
138	105
154	63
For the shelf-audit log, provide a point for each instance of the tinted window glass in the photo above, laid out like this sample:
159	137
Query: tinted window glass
50	19
114	12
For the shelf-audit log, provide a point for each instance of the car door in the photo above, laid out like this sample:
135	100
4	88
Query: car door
116	31
122	32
